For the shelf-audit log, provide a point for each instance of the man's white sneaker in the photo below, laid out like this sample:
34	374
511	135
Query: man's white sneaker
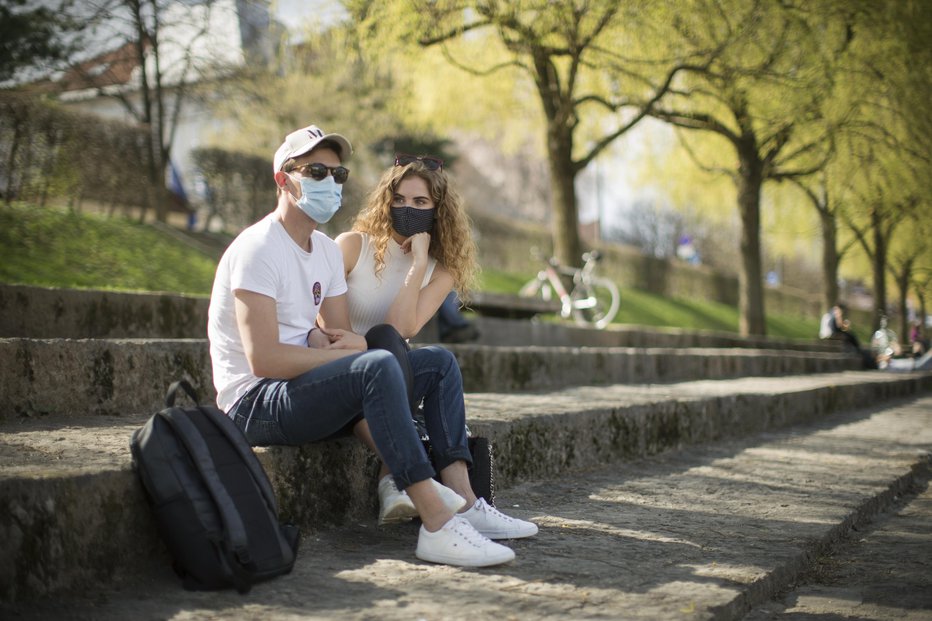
494	524
394	505
457	543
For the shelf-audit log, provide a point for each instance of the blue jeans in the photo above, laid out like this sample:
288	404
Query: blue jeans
322	402
449	313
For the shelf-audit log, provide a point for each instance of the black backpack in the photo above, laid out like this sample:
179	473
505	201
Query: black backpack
212	500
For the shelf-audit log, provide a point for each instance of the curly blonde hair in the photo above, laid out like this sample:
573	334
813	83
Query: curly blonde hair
451	242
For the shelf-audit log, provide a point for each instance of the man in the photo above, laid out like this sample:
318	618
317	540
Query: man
286	378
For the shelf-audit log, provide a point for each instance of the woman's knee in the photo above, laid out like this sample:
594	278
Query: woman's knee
385	336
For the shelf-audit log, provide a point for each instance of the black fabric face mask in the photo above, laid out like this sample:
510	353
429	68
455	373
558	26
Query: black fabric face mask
408	221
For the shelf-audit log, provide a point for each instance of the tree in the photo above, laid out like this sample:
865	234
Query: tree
268	103
34	38
890	147
819	191
909	260
168	48
885	200
590	93
761	96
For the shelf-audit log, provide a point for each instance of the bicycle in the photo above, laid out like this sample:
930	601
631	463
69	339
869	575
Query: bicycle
593	301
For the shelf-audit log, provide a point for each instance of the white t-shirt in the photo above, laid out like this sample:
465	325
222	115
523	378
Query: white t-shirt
370	296
264	259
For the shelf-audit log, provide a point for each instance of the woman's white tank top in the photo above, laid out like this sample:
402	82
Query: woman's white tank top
370	296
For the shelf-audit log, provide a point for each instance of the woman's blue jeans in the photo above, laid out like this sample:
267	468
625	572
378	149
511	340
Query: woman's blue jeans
322	402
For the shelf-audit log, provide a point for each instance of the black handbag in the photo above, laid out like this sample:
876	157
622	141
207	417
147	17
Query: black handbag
482	469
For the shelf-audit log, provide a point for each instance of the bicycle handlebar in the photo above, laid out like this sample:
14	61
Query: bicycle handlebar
592	255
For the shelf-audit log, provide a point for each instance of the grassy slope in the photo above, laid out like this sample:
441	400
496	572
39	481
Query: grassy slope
648	309
59	249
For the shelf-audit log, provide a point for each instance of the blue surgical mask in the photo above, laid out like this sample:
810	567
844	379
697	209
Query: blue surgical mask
320	199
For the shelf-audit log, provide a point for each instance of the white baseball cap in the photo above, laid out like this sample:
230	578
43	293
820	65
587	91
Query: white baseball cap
302	141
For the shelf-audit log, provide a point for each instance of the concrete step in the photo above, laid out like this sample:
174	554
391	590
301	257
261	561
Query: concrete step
46	312
75	515
78	377
40	312
540	331
705	532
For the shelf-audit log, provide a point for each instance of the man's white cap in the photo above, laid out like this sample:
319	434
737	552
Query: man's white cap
301	141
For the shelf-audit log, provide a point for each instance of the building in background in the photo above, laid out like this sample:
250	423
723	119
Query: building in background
199	42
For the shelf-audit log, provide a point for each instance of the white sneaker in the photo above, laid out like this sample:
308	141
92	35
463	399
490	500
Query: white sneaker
494	524
451	499
394	505
457	543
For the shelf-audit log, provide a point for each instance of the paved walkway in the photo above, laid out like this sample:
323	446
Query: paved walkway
702	533
882	572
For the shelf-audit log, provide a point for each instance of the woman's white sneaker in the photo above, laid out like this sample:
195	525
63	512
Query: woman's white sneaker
394	505
494	524
453	501
458	543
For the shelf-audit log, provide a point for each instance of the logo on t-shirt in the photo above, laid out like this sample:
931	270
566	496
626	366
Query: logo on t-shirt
317	293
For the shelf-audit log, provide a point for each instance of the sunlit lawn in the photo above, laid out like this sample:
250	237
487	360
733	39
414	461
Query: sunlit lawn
648	309
55	248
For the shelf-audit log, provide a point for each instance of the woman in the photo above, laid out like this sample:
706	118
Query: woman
409	247
413	244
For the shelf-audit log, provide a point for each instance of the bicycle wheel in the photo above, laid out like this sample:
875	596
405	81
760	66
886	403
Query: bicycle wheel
595	303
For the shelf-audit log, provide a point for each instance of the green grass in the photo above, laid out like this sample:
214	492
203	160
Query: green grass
643	308
55	248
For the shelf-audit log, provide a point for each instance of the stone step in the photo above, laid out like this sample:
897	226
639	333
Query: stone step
40	312
75	516
46	312
78	377
497	331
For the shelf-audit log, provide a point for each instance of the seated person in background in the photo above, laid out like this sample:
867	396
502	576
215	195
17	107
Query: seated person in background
917	340
454	328
836	326
408	248
284	380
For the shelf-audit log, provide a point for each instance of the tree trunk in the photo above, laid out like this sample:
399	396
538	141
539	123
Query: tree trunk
829	259
902	283
564	219
750	282
922	309
879	268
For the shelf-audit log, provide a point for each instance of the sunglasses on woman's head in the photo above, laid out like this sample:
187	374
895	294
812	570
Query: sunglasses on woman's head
430	162
319	172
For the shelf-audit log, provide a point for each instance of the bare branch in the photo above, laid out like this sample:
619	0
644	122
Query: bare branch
695	120
695	160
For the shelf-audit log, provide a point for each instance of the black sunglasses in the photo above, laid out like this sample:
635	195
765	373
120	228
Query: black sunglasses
430	162
319	172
